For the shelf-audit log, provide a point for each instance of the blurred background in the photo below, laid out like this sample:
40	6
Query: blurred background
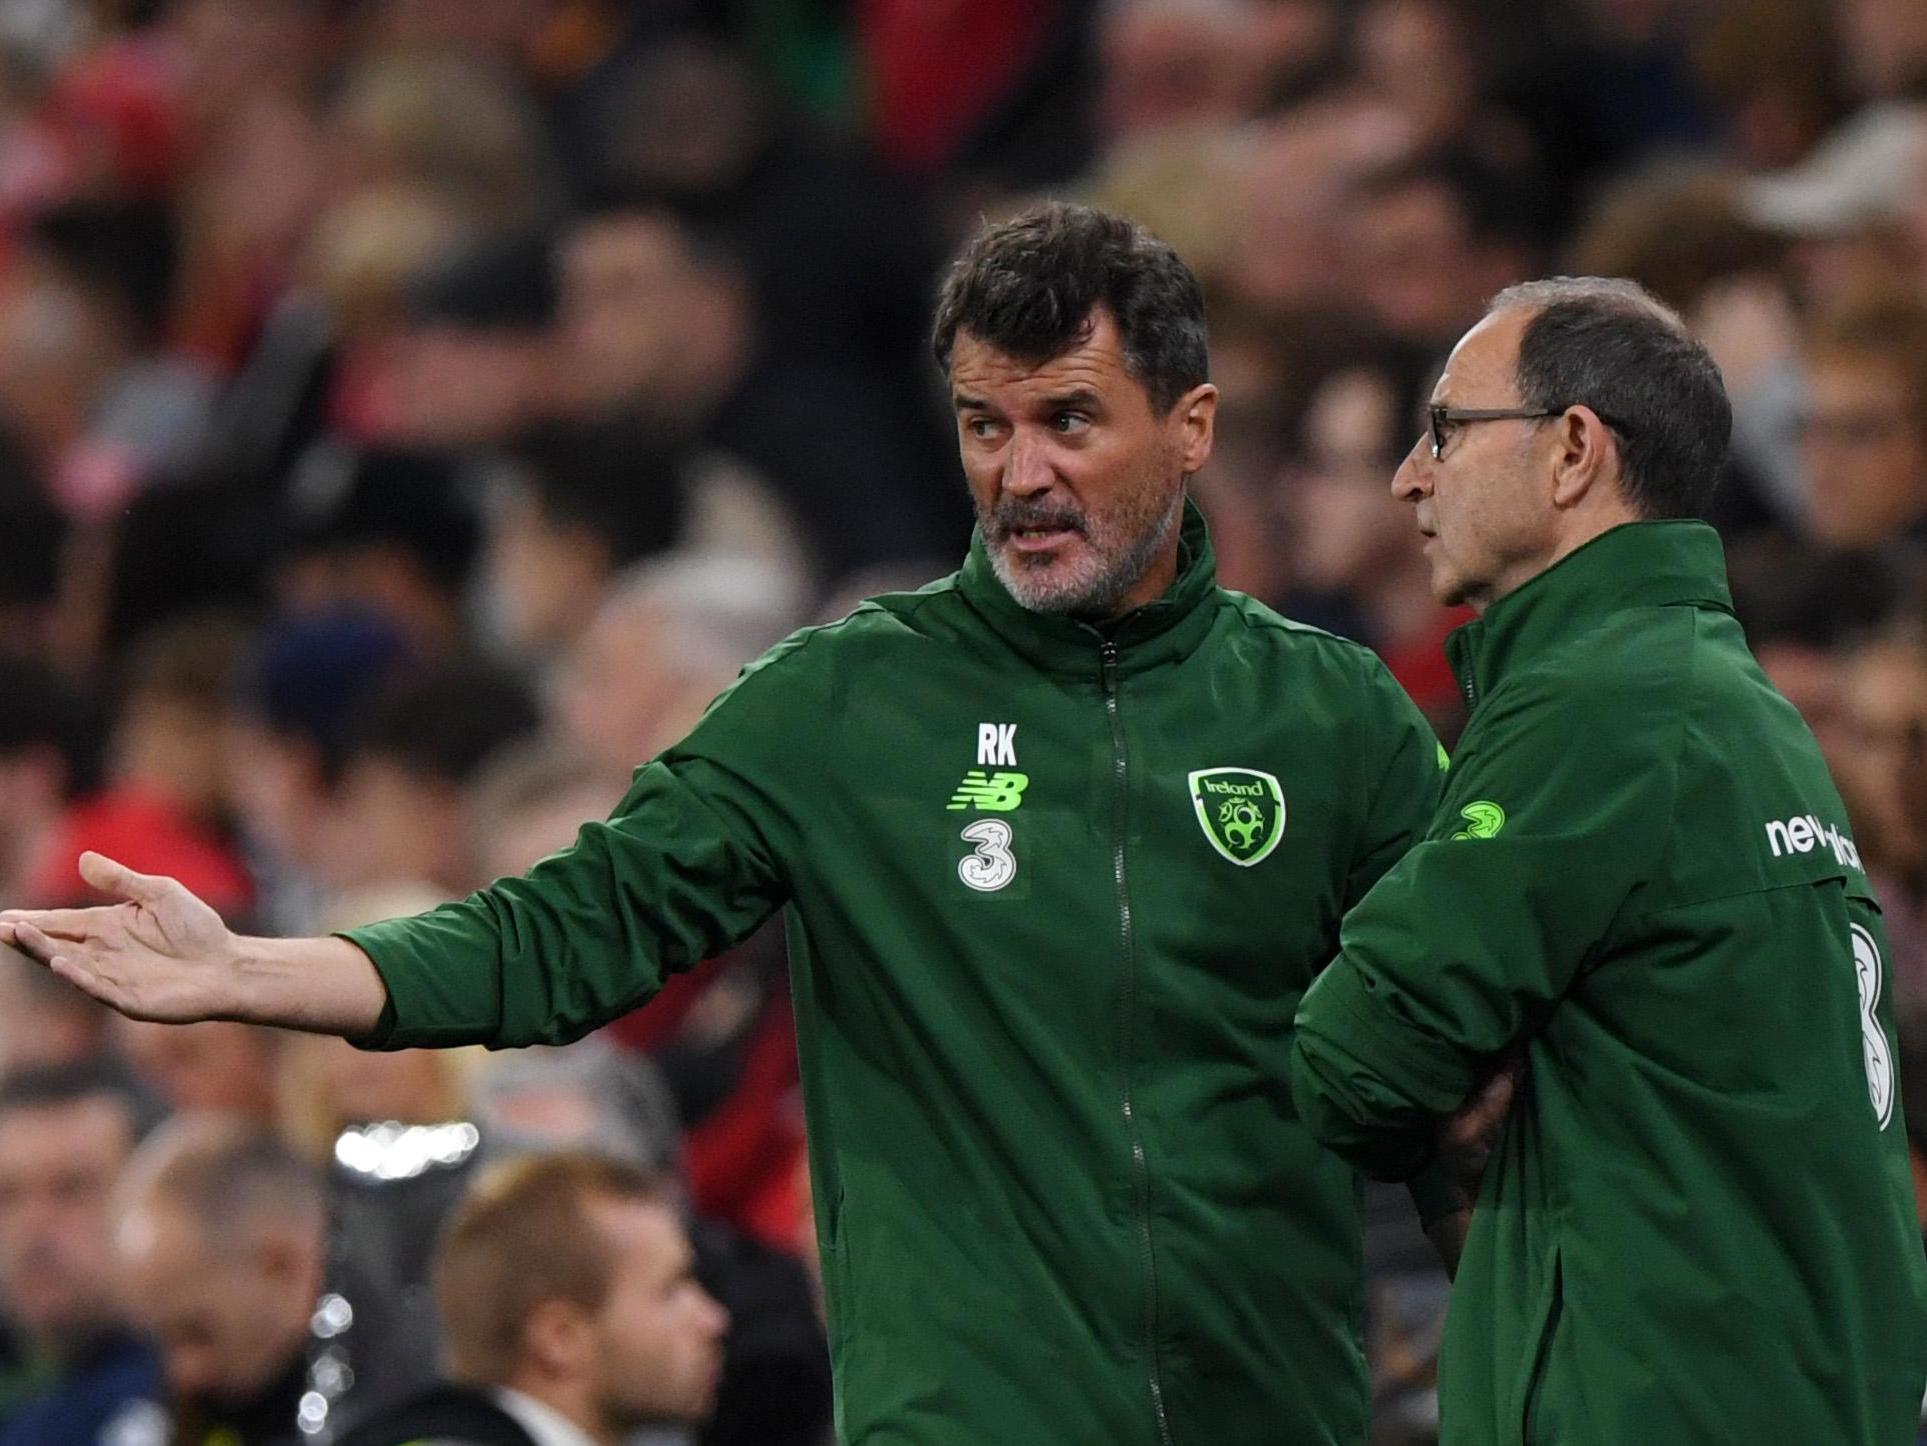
412	412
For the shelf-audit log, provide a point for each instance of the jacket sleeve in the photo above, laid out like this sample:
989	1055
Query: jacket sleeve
1405	797
1542	842
689	863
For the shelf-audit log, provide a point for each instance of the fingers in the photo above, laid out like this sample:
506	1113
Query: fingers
83	978
27	939
60	923
112	877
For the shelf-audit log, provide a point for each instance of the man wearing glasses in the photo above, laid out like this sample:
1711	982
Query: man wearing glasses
1697	1225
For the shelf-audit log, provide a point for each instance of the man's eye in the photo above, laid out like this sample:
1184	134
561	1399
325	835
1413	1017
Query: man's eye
1070	422
982	428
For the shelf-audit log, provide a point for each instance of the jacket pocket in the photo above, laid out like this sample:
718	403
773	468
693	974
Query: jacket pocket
1547	1313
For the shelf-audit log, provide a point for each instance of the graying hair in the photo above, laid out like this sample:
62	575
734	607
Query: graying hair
1608	344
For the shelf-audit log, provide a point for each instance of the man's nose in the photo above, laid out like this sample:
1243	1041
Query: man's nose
1027	468
1413	479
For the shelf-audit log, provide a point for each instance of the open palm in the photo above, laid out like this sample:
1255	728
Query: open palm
161	954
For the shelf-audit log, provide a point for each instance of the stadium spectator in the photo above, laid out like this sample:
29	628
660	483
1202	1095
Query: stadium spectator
775	1387
657	323
1864	433
409	756
164	784
579	503
66	1132
308	680
1665	979
572	1312
669	636
220	1239
219	1067
49	759
389	531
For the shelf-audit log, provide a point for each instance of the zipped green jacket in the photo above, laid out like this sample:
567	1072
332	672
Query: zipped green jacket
1698	1225
1053	896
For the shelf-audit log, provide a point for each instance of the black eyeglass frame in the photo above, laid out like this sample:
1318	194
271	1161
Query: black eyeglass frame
1438	415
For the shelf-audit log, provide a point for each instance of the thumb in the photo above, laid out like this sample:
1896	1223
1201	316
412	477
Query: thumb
111	877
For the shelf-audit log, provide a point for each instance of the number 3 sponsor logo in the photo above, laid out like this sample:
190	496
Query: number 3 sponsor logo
993	865
1873	1039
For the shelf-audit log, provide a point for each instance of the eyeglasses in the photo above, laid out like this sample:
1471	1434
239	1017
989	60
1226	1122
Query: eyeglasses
1440	417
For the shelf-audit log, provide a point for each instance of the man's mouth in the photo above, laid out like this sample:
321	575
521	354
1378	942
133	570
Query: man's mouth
1038	539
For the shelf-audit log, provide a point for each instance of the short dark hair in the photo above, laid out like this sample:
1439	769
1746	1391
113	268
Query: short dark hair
444	722
1028	287
1609	344
51	1086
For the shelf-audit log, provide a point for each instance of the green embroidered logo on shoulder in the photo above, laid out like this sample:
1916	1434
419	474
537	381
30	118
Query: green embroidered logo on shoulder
1483	819
989	792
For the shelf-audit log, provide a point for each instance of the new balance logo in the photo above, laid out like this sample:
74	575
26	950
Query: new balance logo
990	792
1803	833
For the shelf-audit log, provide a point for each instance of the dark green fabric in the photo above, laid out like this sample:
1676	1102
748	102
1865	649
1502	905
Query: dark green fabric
1009	1255
1699	1225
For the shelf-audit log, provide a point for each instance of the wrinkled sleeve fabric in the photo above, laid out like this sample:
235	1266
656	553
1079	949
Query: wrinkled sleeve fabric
688	864
1465	943
1406	796
1403	804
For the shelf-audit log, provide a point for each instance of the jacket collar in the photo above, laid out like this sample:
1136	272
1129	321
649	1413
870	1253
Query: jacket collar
1159	631
1634	565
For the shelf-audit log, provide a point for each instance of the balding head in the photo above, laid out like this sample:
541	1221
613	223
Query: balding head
220	1236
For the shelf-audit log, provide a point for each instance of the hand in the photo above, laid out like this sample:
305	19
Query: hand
162	954
1464	1147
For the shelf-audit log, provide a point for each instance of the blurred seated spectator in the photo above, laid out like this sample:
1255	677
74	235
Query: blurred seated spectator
669	635
1885	42
1682	231
310	676
571	1310
776	1383
1802	608
217	1067
657	323
582	502
1882	769
1433	238
389	531
162	808
45	1021
66	1131
470	364
413	749
1864	431
1850	206
49	759
33	545
220	1241
1353	568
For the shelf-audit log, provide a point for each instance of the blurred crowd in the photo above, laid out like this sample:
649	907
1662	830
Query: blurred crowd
412	412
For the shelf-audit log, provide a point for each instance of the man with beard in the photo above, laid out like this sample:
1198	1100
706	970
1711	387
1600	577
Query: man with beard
1062	838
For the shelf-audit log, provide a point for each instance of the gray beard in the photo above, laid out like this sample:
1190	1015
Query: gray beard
1099	593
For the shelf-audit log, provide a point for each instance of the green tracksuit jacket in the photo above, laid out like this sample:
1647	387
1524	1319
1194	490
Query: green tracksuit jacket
1698	1225
1053	897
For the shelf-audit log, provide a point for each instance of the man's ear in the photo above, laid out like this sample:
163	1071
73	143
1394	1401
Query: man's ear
1585	457
557	1339
1195	417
